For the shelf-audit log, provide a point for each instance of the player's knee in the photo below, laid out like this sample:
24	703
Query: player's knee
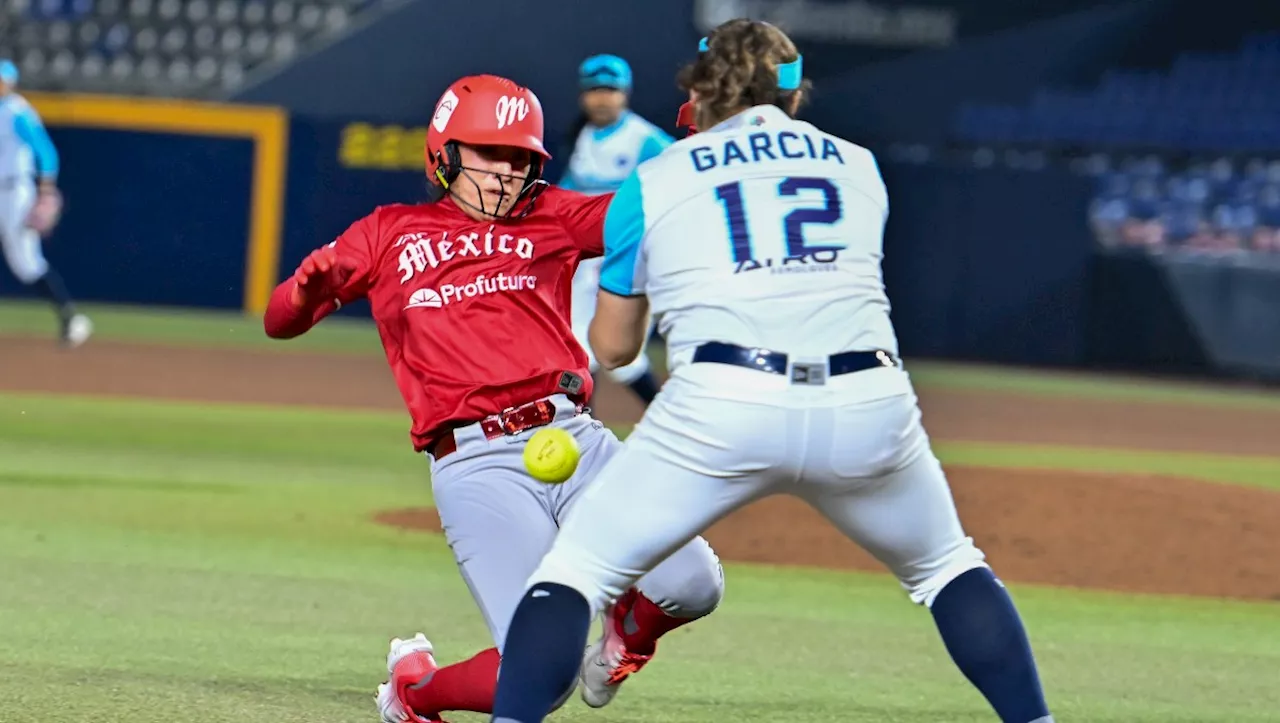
599	589
924	587
29	273
689	584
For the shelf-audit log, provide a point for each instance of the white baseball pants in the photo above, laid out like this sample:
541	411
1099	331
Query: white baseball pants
23	250
720	437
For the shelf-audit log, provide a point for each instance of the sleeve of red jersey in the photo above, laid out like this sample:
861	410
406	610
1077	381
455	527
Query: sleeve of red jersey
583	218
358	246
355	250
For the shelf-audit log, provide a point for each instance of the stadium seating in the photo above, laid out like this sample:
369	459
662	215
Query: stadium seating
1222	208
1222	111
1205	102
1213	208
188	48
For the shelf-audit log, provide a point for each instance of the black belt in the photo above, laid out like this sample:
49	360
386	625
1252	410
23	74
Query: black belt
775	362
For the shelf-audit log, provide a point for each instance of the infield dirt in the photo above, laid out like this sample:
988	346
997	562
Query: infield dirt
1133	533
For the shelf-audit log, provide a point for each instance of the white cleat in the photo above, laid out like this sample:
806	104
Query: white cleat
389	705
77	331
408	663
401	649
607	664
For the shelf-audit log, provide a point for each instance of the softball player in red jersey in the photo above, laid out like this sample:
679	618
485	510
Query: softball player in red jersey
471	296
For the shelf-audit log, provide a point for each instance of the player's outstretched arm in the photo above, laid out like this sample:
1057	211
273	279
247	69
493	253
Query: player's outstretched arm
582	217
311	294
327	278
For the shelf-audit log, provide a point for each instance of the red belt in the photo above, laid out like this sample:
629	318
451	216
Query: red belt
512	421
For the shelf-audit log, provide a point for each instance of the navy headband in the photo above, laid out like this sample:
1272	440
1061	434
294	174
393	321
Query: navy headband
789	74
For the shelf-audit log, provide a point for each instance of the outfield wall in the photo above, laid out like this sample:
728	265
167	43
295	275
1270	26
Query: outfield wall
167	202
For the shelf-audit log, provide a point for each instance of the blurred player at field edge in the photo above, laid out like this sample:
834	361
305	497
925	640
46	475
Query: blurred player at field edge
611	142
29	209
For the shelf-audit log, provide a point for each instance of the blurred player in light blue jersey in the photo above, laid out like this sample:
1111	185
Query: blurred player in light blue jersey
609	146
30	202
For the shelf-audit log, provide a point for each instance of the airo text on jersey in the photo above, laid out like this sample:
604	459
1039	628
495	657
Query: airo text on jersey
420	251
820	260
765	146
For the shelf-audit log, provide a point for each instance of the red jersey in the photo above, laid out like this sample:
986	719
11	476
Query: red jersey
474	315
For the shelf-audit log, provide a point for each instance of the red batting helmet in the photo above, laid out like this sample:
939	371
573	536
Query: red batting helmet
485	110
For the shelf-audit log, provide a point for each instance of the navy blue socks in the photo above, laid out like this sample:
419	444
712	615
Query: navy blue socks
543	653
975	616
984	635
55	290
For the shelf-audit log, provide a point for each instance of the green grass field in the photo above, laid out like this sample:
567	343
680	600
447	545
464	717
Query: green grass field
162	561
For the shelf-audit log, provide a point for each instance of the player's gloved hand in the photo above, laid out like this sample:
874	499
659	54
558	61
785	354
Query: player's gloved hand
46	211
320	276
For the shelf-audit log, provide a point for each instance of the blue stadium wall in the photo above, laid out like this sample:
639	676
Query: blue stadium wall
151	218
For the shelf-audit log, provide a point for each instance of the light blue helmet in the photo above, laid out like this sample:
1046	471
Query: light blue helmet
8	72
604	71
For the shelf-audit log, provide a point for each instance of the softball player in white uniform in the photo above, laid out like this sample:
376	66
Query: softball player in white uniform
611	143
758	244
25	154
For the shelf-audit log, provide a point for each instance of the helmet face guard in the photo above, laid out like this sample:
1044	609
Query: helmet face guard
450	171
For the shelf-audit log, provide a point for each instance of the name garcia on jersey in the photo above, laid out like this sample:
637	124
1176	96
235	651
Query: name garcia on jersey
762	146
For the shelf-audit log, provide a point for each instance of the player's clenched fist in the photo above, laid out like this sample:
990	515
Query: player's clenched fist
320	276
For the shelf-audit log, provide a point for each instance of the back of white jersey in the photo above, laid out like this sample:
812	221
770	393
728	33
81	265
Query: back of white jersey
763	232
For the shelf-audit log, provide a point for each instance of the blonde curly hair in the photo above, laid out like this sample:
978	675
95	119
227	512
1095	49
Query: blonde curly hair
739	69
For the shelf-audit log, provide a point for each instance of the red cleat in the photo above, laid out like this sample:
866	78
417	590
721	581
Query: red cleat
608	663
408	663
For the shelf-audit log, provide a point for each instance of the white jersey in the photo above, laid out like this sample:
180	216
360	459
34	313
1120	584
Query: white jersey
763	232
24	144
25	152
604	157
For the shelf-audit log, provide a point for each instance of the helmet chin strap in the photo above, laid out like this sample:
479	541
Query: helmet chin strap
464	172
464	204
531	189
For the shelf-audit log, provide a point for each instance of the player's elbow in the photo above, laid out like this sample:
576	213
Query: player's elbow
618	330
278	331
616	360
612	350
283	319
277	326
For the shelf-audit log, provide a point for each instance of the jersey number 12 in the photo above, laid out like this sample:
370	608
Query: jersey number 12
730	196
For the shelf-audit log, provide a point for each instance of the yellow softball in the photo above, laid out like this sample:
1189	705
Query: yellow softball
551	455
